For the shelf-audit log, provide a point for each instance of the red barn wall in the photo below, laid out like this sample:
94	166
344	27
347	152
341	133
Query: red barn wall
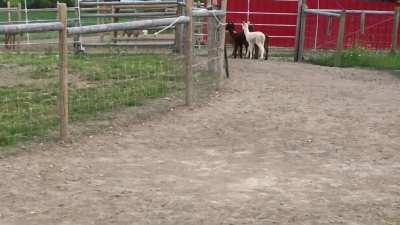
277	18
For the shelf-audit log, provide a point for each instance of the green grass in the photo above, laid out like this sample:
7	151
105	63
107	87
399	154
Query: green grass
99	83
358	57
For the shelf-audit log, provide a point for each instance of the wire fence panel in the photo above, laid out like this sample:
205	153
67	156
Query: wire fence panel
321	34
103	82
378	31
373	33
99	84
28	97
204	80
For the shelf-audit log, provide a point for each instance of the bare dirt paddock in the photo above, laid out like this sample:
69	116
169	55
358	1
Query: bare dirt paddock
283	144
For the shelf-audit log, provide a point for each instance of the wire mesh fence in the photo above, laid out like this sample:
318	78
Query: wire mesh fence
102	83
372	31
98	84
28	97
324	34
204	77
317	38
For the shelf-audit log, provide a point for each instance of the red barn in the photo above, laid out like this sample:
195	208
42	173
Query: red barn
278	18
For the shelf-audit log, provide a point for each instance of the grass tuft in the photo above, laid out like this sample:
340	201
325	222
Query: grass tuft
359	57
98	83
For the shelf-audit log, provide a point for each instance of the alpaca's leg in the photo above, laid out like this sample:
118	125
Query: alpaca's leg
262	50
255	52
251	46
246	46
266	47
235	51
241	52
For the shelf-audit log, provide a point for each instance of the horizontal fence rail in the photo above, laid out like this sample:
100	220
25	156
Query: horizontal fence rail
207	13
319	12
71	9
136	15
352	11
143	24
115	3
8	9
34	21
264	13
31	28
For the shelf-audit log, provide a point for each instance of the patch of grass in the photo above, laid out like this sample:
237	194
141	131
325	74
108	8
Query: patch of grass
358	57
99	83
282	54
25	112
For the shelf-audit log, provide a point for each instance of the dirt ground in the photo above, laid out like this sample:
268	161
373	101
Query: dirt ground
283	143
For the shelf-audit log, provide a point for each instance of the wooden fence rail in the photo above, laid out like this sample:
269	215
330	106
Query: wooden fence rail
130	15
142	24
30	28
395	31
354	11
151	3
321	13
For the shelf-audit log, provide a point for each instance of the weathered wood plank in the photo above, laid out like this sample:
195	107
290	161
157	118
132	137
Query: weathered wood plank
31	28
142	24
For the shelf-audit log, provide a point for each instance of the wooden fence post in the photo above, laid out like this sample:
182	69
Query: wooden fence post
103	9
63	73
362	23
300	16
189	54
77	37
179	30
115	20
212	39
340	39
220	53
9	37
303	25
395	31
9	11
98	7
19	18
